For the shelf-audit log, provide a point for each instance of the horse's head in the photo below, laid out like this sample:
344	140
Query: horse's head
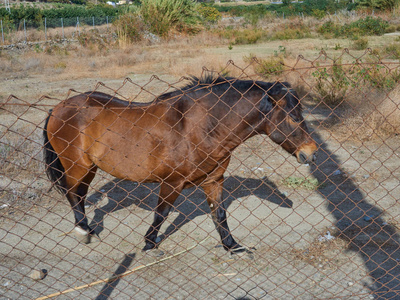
284	124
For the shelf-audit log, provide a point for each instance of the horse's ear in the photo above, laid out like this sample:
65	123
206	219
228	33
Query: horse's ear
278	93
265	104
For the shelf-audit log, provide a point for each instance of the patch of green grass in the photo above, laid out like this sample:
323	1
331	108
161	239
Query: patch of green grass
301	182
267	67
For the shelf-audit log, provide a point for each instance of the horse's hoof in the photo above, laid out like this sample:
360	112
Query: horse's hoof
242	252
155	252
82	235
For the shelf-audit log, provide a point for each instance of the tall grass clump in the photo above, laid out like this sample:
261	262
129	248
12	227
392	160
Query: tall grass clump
129	28
164	15
269	67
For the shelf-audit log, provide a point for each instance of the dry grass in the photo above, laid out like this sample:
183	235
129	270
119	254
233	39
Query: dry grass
96	57
321	254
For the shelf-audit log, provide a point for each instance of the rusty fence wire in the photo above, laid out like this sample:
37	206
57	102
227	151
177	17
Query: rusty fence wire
327	229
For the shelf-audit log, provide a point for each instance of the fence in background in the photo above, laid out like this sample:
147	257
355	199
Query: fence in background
328	229
52	29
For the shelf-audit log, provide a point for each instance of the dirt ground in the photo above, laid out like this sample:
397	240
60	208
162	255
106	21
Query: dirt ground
329	230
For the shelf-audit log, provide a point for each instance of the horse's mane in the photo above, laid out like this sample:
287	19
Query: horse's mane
206	79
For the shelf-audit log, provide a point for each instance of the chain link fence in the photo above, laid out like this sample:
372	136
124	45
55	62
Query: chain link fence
328	229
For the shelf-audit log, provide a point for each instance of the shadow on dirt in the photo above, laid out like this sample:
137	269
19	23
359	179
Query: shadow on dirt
110	286
191	204
361	224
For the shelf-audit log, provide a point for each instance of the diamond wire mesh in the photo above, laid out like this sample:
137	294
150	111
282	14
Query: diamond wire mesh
323	230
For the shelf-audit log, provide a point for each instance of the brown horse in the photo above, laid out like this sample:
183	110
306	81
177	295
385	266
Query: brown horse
182	138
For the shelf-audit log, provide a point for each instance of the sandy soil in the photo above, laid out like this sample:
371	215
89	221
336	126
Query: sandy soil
338	239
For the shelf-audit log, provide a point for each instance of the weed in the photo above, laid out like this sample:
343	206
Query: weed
164	15
281	51
378	76
301	182
338	47
266	67
361	27
248	36
292	33
129	28
393	50
318	13
360	43
332	83
209	14
60	65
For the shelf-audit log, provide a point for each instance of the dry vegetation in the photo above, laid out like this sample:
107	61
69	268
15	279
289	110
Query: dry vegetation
98	55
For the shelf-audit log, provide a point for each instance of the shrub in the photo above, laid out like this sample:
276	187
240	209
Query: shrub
292	33
318	13
248	36
329	29
377	76
332	84
163	15
129	28
393	50
379	4
243	36
365	26
266	67
209	13
324	5
360	43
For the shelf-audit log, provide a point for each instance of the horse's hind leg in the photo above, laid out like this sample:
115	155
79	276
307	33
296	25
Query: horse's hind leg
213	192
77	185
167	197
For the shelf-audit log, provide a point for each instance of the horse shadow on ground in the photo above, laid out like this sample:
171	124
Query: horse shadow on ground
360	223
122	194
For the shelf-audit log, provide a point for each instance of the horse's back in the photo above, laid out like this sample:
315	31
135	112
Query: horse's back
137	142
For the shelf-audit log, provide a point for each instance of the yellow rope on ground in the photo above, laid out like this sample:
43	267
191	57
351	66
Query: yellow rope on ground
115	277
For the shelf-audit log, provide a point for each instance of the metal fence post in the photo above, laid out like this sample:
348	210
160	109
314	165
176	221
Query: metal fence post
25	30
2	33
93	22
77	26
45	29
62	27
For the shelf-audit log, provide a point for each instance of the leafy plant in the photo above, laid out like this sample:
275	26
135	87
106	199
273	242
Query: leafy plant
360	43
163	15
301	182
332	83
266	67
361	27
393	50
378	4
209	13
377	76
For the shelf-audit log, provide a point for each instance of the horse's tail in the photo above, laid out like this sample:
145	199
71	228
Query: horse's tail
54	169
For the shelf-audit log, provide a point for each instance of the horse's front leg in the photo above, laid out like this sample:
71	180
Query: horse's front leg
213	192
167	197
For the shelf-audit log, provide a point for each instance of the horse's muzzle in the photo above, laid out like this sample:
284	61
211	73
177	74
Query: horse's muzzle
304	158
